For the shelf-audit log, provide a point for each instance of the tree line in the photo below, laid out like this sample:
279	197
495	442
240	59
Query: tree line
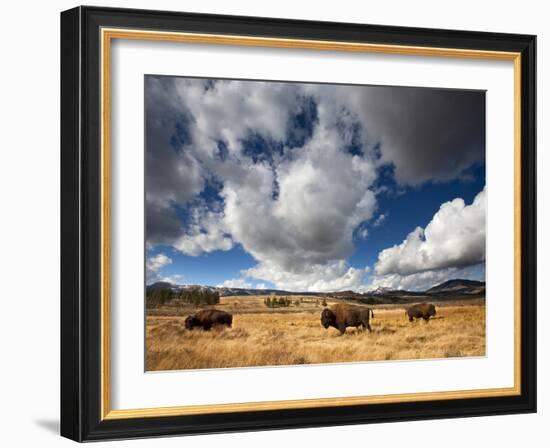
197	297
274	302
279	302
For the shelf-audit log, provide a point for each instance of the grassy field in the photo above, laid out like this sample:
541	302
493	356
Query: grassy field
262	336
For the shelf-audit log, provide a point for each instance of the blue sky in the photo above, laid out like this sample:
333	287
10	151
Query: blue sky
313	187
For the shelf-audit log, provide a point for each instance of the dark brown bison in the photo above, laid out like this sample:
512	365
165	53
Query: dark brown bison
206	319
341	316
420	310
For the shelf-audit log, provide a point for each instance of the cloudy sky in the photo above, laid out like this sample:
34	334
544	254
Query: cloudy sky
317	187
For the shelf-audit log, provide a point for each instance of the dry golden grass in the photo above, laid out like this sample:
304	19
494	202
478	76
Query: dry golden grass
290	336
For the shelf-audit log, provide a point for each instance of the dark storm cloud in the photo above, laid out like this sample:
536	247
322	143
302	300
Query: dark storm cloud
427	134
162	224
171	175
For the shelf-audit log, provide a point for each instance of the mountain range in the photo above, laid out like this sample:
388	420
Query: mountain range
451	289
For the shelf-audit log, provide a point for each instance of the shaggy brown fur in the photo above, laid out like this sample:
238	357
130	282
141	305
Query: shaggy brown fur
420	310
206	319
341	316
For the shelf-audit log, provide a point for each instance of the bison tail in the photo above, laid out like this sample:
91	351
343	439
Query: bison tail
371	313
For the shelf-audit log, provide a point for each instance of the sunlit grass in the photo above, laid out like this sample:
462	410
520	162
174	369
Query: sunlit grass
294	335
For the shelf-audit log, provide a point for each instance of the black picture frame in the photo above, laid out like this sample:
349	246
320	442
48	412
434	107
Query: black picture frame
81	224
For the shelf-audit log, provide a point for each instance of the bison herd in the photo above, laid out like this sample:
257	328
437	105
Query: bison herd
339	316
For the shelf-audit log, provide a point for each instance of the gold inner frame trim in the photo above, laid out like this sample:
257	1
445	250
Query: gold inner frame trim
107	35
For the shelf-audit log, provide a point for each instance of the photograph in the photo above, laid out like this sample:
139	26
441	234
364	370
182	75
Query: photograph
292	223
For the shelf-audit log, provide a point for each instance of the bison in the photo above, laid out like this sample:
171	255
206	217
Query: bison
420	310
206	319
341	316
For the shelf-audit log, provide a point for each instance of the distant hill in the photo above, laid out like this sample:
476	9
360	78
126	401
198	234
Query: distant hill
225	291
458	287
159	285
178	288
449	290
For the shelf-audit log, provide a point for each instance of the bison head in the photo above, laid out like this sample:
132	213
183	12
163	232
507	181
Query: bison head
191	322
327	318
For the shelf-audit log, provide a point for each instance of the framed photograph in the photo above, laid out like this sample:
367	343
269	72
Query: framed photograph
273	223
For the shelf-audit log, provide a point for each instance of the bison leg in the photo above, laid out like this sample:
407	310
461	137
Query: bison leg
411	319
426	318
207	327
369	327
342	329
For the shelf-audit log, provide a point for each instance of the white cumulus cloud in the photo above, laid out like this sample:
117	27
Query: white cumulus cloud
332	276
455	237
236	283
153	265
205	234
323	195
